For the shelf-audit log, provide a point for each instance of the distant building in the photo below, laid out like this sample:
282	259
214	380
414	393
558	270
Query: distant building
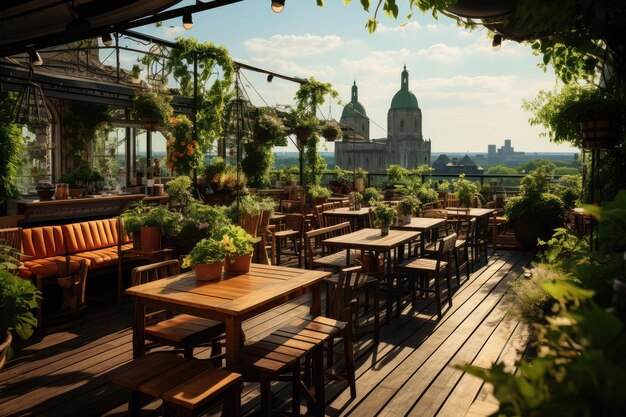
446	165
404	145
504	154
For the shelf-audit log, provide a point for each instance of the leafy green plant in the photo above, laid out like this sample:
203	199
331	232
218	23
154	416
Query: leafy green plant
9	258
289	175
467	191
384	215
133	218
80	176
183	152
266	203
331	131
443	187
199	222
408	206
160	216
360	173
179	191
372	194
206	251
244	204
396	174
269	129
153	106
317	192
531	302
424	193
357	197
233	180
18	298
236	240
569	188
11	147
257	163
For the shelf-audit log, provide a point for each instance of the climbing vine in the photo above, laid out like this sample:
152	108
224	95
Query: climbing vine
212	97
80	125
11	146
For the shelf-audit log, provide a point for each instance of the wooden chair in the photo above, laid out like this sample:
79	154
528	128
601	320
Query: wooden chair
188	387
250	223
330	257
427	270
461	249
294	230
264	233
12	236
479	243
182	331
280	356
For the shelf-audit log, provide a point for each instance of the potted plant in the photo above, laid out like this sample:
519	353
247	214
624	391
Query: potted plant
371	195
19	297
207	259
384	217
318	194
535	213
407	207
289	177
331	130
357	199
302	123
239	245
215	172
359	179
152	108
269	129
466	191
443	188
183	152
151	226
80	179
45	190
135	72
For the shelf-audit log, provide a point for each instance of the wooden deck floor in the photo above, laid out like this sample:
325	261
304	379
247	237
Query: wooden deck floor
409	373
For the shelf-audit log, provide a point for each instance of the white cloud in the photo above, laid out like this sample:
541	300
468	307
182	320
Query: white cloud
408	27
440	52
293	45
288	67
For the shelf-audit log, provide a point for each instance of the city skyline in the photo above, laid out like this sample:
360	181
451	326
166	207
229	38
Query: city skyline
470	95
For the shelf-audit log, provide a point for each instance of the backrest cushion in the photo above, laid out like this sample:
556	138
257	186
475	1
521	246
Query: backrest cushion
42	242
90	235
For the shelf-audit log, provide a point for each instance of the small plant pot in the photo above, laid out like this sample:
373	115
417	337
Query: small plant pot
302	134
330	138
384	230
209	272
4	348
45	195
359	184
150	239
77	192
238	264
357	206
405	219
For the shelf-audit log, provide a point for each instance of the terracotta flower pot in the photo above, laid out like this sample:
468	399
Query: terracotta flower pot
76	192
209	272
150	239
238	264
4	348
359	184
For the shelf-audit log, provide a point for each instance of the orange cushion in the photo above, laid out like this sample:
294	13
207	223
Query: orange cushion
42	242
87	236
100	258
48	267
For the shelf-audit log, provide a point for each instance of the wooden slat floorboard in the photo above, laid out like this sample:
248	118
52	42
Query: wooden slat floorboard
410	372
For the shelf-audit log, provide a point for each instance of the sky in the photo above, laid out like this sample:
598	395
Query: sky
470	94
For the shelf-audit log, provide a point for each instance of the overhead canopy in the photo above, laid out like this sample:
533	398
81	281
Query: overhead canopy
34	24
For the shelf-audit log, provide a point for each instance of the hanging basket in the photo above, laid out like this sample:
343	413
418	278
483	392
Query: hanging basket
303	134
600	134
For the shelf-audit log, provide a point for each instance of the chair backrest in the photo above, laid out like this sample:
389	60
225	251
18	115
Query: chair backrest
341	299
321	234
294	221
152	272
11	221
264	221
435	214
43	242
250	223
446	246
12	236
452	200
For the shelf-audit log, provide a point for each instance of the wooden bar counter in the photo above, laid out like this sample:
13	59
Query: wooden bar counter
68	210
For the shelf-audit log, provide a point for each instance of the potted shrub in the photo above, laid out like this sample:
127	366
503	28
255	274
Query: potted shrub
466	191
200	221
19	297
384	217
318	194
372	195
207	259
359	179
239	245
152	226
356	199
443	188
80	179
535	213
302	123
153	109
289	177
407	207
215	172
331	131
135	73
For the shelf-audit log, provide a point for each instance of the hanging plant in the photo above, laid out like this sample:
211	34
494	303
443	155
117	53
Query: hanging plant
302	123
269	129
212	99
152	108
183	153
331	131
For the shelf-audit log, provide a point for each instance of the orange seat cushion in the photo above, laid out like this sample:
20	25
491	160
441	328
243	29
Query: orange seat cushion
49	267
100	258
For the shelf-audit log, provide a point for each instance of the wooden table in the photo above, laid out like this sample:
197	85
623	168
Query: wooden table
423	225
357	218
231	300
371	240
473	212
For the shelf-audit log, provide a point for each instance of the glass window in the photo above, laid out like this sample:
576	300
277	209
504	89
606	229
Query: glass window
401	125
36	158
109	156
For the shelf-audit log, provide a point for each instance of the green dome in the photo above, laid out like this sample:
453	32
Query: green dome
354	108
404	99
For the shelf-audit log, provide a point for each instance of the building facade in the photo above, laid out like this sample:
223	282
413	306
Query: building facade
404	144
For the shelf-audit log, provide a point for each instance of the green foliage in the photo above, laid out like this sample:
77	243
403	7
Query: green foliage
268	129
564	251
80	176
183	152
11	147
569	188
257	163
317	191
409	206
443	187
79	129
467	191
331	131
244	204
179	191
424	193
212	99
290	175
343	175
236	240
313	93
152	106
133	218
360	173
200	221
18	298
266	203
357	197
140	216
207	251
396	174
215	169
9	258
372	194
384	215
534	164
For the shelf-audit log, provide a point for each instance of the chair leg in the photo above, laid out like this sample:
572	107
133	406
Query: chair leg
376	315
295	383
266	395
438	296
134	405
188	352
348	348
458	270
448	284
330	352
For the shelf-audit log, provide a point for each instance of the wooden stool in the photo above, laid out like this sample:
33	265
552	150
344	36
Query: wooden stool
187	387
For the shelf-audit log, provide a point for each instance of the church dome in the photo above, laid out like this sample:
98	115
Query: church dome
404	99
354	108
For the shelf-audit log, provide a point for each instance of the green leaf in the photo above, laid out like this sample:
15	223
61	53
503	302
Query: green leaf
366	5
371	25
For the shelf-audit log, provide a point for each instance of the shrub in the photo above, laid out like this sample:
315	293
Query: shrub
236	240
317	191
179	191
384	216
205	252
409	206
372	194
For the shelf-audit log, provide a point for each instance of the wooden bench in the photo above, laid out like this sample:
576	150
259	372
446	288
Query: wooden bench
331	258
188	387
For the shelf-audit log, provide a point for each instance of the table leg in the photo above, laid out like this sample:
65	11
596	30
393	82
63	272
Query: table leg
389	284
316	299
233	342
139	329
